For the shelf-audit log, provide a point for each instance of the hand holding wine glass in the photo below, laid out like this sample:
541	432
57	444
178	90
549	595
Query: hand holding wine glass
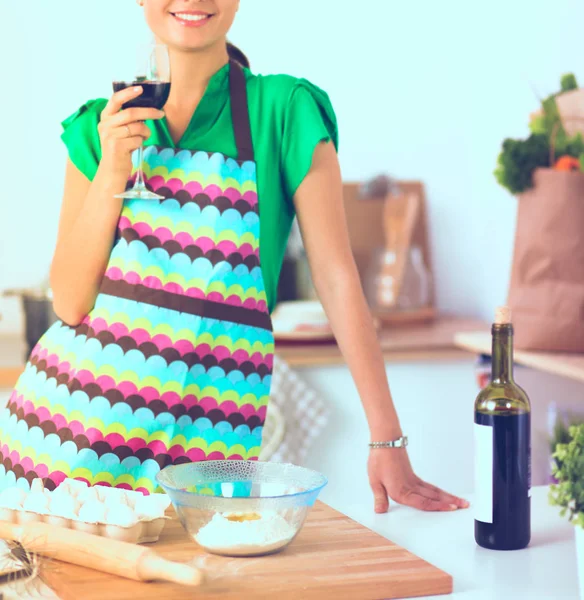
122	131
151	73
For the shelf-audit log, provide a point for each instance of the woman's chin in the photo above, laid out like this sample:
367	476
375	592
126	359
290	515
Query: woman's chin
187	41
176	35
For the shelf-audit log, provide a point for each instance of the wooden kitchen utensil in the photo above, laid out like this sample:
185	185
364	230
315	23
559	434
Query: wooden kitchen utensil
332	557
100	553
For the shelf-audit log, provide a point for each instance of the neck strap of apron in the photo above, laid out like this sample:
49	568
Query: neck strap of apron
240	112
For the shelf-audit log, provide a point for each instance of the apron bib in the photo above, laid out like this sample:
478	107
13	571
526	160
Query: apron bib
174	362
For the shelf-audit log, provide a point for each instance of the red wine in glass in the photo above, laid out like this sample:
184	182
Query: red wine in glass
151	72
154	93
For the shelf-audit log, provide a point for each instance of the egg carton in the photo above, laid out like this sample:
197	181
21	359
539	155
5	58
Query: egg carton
123	515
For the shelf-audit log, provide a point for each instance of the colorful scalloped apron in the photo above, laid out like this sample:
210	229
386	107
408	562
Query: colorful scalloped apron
174	362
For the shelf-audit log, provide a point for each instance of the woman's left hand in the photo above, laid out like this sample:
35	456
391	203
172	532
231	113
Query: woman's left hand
391	476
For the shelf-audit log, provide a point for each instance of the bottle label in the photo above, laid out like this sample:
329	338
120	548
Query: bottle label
483	447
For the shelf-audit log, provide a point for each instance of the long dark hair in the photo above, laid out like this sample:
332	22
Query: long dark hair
237	55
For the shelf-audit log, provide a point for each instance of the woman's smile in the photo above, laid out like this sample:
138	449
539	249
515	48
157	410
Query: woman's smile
195	18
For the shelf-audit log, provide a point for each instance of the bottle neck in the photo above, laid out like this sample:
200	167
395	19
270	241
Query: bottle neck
502	357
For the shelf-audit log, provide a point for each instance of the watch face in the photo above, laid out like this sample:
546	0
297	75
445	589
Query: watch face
402	441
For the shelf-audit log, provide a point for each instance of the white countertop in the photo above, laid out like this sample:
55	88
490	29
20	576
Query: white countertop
435	407
545	569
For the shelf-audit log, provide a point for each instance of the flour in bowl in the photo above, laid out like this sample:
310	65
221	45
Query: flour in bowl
245	534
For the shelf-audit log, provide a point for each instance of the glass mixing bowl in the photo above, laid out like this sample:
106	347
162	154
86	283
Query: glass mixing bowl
241	508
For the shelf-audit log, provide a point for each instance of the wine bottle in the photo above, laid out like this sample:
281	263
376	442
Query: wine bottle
502	450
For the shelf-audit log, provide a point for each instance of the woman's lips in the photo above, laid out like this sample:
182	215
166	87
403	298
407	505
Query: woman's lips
194	19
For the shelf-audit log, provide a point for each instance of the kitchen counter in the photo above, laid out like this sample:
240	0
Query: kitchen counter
557	363
404	343
545	570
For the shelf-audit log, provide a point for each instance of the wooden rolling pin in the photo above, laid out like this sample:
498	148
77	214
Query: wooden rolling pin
99	553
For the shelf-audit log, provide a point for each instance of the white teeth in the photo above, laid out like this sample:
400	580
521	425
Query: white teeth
187	17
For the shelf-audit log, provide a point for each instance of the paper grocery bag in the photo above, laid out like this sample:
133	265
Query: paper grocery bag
547	279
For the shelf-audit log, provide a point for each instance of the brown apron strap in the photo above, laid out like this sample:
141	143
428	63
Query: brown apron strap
240	112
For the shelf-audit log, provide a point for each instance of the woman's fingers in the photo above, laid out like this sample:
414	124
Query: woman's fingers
131	130
121	131
442	495
380	497
421	501
131	115
119	99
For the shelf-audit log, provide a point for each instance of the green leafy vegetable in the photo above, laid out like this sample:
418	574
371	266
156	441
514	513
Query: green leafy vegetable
561	434
573	146
568	82
551	118
568	493
538	124
519	159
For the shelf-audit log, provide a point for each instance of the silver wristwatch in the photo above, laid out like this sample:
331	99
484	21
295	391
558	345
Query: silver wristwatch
401	442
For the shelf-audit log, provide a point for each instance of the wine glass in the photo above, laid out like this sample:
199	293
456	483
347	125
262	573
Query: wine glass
152	72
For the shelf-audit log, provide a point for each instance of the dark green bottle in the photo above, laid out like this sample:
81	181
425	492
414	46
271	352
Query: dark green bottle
502	450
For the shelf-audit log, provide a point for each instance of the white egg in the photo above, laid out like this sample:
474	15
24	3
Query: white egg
101	492
113	500
74	486
10	503
61	489
105	493
93	511
13	497
64	505
121	515
132	497
87	494
37	502
148	507
37	485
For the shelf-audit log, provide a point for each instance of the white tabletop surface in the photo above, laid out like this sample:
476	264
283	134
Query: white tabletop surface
546	569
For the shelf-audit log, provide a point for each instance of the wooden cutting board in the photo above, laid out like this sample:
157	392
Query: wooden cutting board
332	557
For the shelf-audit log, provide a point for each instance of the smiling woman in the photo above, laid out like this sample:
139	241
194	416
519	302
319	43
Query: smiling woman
163	352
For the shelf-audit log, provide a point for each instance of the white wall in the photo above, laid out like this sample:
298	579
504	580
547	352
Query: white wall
422	89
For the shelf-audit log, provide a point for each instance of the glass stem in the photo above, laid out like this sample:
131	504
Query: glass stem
139	183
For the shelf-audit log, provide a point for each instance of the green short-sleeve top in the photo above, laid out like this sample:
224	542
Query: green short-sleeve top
289	117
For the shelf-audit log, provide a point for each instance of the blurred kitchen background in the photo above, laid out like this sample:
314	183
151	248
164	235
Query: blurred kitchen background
425	93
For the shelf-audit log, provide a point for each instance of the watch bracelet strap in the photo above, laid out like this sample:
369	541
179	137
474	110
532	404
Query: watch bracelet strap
401	442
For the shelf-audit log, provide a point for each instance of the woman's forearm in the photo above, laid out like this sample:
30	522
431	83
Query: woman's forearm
82	252
342	297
